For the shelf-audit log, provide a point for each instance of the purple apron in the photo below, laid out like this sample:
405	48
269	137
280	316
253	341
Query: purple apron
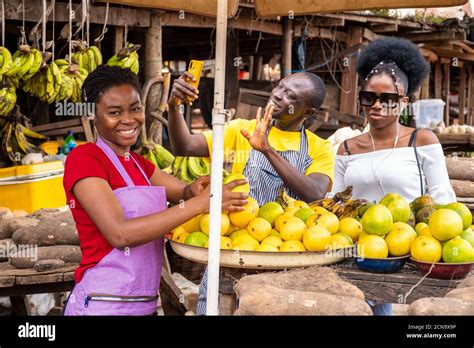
124	282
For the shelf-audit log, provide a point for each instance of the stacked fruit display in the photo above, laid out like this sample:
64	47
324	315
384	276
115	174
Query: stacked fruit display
442	232
291	226
380	230
445	234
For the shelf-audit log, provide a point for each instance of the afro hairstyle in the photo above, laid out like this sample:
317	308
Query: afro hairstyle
403	53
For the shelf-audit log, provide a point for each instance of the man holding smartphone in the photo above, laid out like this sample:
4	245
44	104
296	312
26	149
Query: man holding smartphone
272	151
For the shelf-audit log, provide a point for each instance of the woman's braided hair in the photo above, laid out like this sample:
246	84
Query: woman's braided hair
396	57
105	77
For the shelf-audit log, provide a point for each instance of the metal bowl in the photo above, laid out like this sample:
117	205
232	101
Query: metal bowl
443	270
387	265
263	260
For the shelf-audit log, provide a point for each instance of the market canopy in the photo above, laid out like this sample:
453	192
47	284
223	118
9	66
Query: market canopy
272	8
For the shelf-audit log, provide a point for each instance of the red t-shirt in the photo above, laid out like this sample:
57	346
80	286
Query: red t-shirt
89	160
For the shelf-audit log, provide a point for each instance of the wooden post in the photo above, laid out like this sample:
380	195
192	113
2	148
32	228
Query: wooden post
232	69
425	88
438	81
446	83
257	72
462	95
118	38
470	96
350	82
286	46
152	68
251	66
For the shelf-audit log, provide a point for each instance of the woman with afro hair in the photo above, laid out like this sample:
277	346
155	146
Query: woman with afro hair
391	158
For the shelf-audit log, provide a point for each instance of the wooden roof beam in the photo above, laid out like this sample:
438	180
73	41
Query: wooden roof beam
435	36
172	19
323	33
371	19
464	46
384	28
328	22
429	55
447	53
370	35
117	16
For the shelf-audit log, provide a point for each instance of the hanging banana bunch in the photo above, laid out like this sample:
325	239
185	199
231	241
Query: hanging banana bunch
26	61
45	84
17	140
127	57
8	88
72	79
88	58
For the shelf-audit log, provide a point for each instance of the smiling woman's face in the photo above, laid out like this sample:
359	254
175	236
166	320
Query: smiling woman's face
377	115
120	115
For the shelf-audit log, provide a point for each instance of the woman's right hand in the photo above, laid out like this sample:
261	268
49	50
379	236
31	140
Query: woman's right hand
231	201
182	89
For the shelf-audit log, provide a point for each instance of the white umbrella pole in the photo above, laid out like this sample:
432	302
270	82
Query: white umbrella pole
218	121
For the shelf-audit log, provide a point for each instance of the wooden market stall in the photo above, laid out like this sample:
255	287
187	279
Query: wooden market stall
258	41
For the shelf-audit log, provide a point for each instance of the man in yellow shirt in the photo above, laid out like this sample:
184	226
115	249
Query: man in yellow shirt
272	152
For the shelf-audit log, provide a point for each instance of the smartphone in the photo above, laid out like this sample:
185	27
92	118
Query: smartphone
195	69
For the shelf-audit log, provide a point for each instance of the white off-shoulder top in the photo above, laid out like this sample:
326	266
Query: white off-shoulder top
397	171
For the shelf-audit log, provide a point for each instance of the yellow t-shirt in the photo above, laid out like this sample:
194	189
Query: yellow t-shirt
237	148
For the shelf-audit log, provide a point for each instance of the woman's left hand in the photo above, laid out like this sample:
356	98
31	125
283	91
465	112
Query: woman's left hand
259	139
198	186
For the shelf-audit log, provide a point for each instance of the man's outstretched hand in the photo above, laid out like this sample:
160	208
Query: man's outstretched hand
259	139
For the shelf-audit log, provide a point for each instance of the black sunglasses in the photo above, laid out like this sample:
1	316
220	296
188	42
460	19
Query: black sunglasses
391	100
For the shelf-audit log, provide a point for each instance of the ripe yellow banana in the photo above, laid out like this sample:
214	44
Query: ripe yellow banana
36	65
7	60
27	65
97	55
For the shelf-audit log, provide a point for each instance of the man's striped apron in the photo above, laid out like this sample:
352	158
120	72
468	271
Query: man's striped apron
265	184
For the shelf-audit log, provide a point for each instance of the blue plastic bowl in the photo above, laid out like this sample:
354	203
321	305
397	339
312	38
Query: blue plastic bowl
388	265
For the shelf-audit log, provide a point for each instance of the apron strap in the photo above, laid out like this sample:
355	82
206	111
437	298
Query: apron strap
116	162
141	170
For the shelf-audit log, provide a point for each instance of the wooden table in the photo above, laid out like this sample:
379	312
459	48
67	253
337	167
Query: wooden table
16	283
457	142
379	288
456	139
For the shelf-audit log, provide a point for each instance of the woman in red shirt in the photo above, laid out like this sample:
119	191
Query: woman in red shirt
119	203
